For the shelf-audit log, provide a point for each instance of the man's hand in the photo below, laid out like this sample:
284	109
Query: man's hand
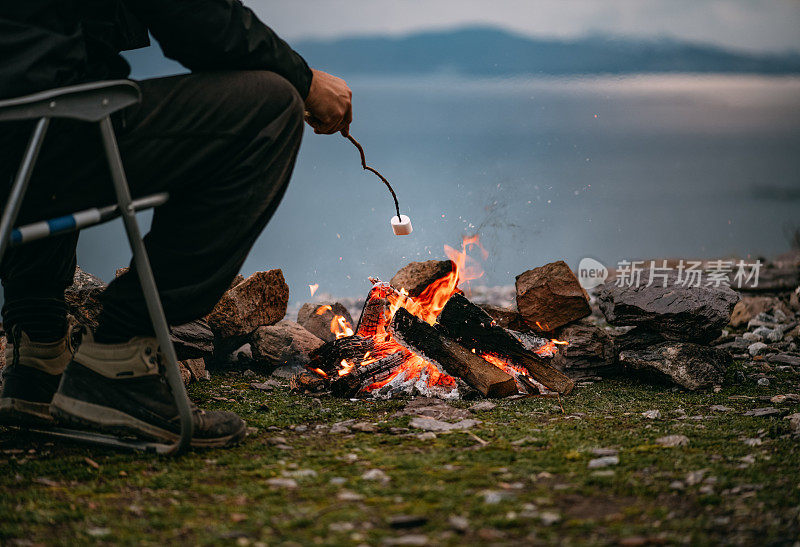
329	104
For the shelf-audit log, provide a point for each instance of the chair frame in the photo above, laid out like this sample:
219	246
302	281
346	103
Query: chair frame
95	102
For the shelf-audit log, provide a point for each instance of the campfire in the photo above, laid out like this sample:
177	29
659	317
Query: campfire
436	344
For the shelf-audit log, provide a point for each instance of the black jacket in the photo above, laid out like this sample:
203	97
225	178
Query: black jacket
52	43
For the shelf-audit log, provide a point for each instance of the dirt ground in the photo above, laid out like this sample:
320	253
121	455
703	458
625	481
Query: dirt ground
319	470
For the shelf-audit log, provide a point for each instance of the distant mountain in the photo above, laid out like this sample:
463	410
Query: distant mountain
481	51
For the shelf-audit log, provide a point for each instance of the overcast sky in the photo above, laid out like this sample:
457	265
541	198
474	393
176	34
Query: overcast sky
761	25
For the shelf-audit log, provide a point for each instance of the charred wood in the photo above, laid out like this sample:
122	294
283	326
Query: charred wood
471	326
363	376
453	357
328	356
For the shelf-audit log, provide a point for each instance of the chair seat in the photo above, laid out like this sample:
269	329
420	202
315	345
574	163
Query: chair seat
89	102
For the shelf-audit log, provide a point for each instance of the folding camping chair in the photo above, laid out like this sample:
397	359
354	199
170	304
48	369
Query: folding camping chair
95	102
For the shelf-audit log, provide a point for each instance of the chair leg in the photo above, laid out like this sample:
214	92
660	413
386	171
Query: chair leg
20	185
148	283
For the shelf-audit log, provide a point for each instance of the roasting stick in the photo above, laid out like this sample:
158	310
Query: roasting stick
401	224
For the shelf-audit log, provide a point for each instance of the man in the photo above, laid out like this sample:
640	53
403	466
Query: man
221	140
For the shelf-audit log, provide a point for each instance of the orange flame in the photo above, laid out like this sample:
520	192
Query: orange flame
549	349
322	309
503	364
429	304
341	327
347	367
313	288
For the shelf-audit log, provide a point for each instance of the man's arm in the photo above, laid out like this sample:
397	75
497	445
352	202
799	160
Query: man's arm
220	35
226	35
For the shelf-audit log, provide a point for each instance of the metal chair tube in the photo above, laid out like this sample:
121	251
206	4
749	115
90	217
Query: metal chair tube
148	283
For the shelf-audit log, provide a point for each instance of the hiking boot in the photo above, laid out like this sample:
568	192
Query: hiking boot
121	389
31	377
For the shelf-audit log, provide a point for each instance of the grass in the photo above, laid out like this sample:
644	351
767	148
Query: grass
538	489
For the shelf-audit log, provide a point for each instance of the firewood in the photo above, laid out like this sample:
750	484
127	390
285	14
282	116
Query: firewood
364	376
453	357
328	356
471	326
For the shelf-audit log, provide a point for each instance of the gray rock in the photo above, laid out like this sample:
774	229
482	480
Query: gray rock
317	318
750	306
83	298
193	340
784	359
286	343
279	482
483	405
720	408
670	441
753	336
757	348
603	461
637	338
738	345
763	382
605	451
432	408
776	335
431	424
376	475
458	523
689	365
760	332
677	312
590	351
794	422
766	411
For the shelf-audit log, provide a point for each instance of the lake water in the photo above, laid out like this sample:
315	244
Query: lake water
543	169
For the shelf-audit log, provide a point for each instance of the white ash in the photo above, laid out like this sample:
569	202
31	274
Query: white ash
402	385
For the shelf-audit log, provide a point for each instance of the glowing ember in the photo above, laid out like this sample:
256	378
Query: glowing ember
521	376
550	348
313	288
322	309
347	367
340	326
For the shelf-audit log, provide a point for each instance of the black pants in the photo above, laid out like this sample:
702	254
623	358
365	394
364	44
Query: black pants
223	144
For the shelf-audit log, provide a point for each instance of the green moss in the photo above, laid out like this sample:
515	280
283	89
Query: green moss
539	489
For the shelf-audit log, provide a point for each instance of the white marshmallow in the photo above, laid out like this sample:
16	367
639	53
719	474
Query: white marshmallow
401	226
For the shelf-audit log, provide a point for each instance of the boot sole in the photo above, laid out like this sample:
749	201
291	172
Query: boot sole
19	412
82	415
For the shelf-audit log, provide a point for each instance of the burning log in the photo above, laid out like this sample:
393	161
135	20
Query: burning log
349	385
373	316
471	326
328	356
454	358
